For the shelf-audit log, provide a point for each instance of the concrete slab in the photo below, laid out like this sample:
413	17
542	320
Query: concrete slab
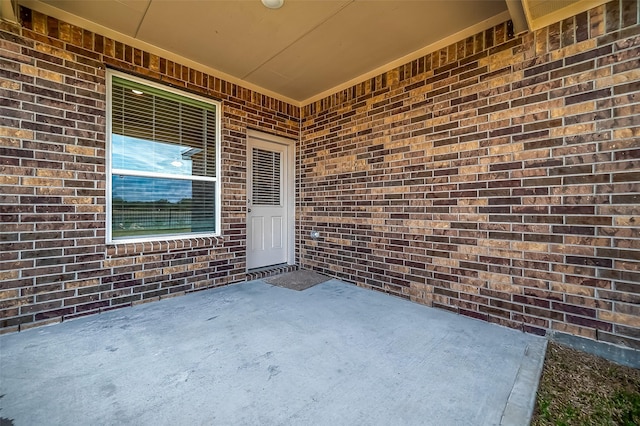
256	354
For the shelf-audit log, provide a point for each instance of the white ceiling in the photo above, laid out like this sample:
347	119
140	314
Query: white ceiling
297	52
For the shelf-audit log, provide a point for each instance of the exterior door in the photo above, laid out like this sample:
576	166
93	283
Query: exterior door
268	200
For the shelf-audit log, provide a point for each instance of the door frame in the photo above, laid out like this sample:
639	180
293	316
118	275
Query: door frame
290	192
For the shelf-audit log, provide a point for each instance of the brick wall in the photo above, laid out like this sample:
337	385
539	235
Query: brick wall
498	178
54	263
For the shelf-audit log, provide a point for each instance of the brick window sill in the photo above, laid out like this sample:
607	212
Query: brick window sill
115	250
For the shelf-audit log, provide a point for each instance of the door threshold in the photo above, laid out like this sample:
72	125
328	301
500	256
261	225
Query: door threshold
269	271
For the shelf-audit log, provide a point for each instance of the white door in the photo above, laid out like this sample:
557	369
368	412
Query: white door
268	200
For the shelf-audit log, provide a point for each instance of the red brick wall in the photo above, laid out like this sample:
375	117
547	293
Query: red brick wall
54	263
498	178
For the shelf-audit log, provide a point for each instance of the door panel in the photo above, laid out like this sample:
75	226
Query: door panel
267	204
276	232
257	226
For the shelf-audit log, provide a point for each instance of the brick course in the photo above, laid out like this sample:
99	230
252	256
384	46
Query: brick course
498	178
54	262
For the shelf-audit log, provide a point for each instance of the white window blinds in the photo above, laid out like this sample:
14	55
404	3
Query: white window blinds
266	179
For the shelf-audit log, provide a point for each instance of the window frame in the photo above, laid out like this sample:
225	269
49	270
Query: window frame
110	74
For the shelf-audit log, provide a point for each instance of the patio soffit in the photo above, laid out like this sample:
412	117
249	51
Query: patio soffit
298	53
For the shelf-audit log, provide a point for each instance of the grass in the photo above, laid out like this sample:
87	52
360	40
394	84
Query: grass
118	233
582	389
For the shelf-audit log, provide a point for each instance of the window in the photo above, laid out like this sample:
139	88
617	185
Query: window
163	162
266	177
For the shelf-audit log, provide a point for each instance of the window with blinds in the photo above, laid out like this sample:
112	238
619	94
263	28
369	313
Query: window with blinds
163	161
266	179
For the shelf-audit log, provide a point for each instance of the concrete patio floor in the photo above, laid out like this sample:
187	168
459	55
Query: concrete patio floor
256	354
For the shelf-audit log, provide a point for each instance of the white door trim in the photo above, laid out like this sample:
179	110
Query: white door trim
289	182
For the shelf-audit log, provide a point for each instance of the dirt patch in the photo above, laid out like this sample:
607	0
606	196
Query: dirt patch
297	280
577	388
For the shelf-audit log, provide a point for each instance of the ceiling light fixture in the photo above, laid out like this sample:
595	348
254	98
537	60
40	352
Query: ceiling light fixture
137	92
273	4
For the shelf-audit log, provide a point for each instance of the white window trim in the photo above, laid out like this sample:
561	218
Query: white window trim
109	171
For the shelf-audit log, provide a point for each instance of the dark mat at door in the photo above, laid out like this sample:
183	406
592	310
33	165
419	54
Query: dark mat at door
297	280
